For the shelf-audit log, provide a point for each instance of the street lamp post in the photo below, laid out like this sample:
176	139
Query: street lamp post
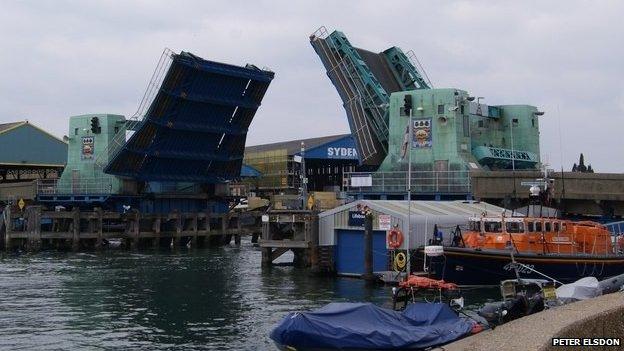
409	191
513	155
304	178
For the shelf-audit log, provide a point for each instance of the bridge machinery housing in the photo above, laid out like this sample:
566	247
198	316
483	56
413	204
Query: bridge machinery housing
396	115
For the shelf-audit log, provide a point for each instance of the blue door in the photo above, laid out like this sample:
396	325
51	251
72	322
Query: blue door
350	251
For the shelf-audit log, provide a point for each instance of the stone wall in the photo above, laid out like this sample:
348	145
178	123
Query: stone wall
596	318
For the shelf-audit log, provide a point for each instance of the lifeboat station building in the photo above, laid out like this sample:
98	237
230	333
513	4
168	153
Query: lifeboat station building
341	230
279	164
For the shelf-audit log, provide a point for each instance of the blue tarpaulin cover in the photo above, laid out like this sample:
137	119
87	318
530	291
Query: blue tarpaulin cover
366	326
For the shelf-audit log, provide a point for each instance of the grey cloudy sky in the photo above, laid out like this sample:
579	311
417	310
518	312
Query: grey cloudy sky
62	58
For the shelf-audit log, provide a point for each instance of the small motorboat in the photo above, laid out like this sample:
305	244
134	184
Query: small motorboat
522	297
364	326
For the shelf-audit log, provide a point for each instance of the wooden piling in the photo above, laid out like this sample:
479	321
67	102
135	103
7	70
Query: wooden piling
368	247
156	230
76	229
82	229
100	224
195	229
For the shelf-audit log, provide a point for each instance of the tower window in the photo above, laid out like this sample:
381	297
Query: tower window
533	122
440	109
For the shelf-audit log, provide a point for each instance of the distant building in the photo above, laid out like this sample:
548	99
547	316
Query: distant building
326	158
28	152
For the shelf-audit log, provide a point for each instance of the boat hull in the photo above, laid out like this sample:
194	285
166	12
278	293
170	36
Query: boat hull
467	266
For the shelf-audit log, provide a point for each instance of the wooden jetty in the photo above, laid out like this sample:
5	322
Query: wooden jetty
290	230
35	228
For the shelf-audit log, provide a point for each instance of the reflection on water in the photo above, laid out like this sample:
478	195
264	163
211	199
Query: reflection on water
214	298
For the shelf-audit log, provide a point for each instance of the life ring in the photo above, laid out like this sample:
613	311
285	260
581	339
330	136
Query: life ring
395	238
400	260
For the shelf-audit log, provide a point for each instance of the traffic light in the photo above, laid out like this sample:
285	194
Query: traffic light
407	104
95	125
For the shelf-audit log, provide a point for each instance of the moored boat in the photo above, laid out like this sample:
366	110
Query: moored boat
364	326
561	249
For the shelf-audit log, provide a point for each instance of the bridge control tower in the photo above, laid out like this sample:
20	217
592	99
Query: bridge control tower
397	117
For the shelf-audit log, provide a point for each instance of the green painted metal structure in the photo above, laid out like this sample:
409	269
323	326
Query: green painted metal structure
365	80
89	139
456	137
451	132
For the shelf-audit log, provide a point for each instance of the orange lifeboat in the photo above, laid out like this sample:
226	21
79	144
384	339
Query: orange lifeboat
538	235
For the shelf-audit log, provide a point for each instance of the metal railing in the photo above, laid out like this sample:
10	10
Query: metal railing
82	186
448	182
166	58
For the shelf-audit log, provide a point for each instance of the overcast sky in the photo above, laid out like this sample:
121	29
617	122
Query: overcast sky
63	58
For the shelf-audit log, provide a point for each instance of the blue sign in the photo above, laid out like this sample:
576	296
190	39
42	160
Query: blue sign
356	219
341	149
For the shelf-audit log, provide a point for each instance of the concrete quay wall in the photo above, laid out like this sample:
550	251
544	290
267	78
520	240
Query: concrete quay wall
601	317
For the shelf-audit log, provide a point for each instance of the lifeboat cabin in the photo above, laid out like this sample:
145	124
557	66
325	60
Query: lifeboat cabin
538	235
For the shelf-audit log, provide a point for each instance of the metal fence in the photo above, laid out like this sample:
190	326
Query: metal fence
76	186
434	182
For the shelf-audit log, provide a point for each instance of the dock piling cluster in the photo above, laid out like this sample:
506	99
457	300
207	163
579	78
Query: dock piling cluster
35	228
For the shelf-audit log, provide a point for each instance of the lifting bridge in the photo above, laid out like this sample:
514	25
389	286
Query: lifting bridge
364	81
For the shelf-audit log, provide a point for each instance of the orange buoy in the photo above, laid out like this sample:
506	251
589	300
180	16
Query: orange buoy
395	238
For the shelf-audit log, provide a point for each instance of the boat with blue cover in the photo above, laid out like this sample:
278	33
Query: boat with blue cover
365	326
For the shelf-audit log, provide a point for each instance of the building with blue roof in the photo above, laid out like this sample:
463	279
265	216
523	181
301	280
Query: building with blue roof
28	152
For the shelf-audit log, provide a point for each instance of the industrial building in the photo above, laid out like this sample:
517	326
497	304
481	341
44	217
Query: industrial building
341	230
29	152
327	159
399	120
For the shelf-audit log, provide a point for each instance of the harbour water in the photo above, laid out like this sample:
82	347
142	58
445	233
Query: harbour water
212	299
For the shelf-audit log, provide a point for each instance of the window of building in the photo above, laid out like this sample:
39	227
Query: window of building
461	109
548	227
466	126
116	130
531	227
440	109
556	226
515	121
533	122
538	226
75	131
480	124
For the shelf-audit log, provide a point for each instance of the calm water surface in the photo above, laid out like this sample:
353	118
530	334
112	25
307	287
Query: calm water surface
212	299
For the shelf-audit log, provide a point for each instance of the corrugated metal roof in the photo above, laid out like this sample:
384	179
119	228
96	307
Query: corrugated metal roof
424	217
8	126
422	208
294	146
26	145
